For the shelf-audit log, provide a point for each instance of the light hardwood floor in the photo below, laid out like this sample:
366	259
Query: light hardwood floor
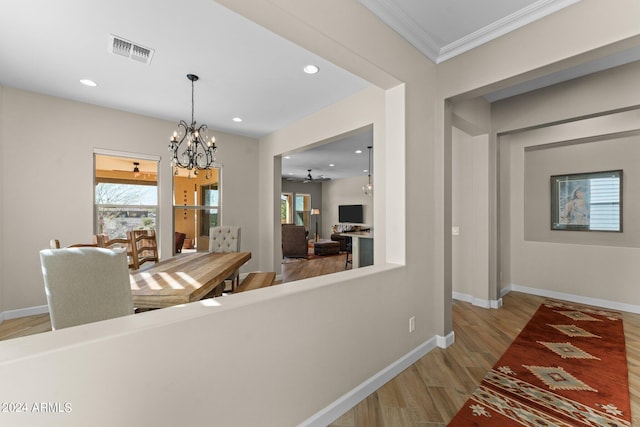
430	391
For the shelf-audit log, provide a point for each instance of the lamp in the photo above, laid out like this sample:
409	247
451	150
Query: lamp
368	189
189	144
316	212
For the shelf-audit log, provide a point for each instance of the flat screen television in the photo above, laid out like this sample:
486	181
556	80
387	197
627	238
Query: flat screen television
350	213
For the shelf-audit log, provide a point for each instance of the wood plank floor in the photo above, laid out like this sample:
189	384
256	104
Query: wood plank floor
431	391
296	269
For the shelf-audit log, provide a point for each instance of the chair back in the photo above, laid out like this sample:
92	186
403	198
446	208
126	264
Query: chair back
144	247
179	241
295	243
85	285
55	244
123	244
224	238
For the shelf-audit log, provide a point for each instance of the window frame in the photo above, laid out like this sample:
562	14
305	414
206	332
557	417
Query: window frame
564	195
132	181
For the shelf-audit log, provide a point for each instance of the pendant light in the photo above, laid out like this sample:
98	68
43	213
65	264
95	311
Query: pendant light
368	189
189	145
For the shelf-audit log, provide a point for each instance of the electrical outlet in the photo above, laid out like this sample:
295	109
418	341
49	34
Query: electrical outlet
412	324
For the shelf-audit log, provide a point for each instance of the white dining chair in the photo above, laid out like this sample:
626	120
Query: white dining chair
226	238
85	285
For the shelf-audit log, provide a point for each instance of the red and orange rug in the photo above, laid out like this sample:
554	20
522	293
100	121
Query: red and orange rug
568	367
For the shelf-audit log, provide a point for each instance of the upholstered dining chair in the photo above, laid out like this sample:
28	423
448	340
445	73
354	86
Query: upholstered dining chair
226	238
85	285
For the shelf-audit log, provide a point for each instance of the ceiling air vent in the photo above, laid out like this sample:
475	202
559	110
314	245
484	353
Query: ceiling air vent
129	49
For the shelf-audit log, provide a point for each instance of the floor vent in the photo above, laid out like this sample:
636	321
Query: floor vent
129	49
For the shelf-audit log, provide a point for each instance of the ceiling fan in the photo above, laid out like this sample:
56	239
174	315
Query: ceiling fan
307	179
136	169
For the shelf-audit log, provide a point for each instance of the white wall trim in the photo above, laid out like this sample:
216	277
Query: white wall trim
446	341
394	16
484	303
613	305
23	312
327	415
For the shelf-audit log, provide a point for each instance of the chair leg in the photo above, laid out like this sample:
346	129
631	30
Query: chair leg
349	251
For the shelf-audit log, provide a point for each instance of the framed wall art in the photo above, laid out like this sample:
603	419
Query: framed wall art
587	201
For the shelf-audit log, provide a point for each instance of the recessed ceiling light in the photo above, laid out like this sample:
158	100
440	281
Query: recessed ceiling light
88	82
331	165
237	119
311	69
358	151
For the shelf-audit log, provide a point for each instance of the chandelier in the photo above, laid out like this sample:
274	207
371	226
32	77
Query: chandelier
368	189
189	144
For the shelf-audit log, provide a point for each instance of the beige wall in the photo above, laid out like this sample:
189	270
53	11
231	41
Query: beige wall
540	48
470	217
347	191
60	146
591	265
295	349
471	193
606	153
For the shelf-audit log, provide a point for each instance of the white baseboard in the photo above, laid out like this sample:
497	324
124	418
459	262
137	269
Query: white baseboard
612	305
23	312
332	412
446	341
484	303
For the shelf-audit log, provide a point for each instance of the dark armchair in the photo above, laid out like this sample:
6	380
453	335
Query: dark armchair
338	237
295	243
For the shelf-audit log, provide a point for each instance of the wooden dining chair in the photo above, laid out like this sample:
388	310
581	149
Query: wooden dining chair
104	241
85	284
144	247
55	244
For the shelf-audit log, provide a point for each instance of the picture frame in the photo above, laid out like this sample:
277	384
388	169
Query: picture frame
589	201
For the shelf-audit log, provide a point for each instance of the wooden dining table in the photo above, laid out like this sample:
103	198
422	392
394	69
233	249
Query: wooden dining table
184	278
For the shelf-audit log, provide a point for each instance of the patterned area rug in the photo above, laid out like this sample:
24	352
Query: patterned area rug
568	367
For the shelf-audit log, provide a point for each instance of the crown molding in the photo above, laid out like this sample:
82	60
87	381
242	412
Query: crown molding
390	13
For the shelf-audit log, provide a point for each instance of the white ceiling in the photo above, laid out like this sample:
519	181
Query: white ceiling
245	71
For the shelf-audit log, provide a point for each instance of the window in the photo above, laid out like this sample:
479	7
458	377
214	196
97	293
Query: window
587	202
196	206
126	194
303	207
286	208
209	217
